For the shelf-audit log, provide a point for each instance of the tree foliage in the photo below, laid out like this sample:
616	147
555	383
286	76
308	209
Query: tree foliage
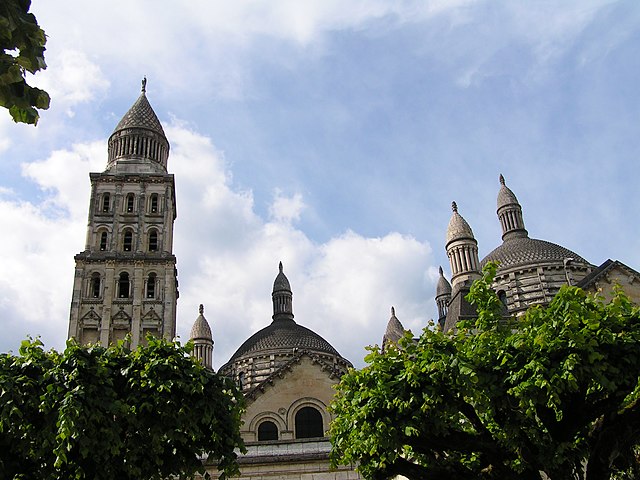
105	413
555	391
22	48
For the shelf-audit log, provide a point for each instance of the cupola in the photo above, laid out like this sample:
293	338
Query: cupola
202	339
462	249
138	143
510	213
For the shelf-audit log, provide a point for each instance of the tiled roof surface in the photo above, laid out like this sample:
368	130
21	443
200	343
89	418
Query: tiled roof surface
525	251
283	334
140	115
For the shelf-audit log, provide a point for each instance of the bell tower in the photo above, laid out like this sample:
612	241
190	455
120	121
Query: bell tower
126	277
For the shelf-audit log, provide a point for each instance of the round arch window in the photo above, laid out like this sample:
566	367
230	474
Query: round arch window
267	430
309	423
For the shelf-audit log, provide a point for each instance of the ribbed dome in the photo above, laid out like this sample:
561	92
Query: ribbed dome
519	251
283	336
201	328
458	227
444	287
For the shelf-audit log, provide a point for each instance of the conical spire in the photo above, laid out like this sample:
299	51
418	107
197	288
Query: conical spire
443	296
510	213
395	330
138	143
444	287
282	297
202	339
462	248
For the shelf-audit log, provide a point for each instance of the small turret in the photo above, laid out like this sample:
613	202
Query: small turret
510	213
282	297
443	297
202	339
462	249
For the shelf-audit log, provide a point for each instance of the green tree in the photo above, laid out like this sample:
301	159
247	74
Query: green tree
21	50
555	391
105	413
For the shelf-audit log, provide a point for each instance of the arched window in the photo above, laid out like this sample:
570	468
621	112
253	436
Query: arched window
153	240
94	285
309	423
123	285
127	240
151	285
503	297
103	241
106	202
267	430
153	203
130	202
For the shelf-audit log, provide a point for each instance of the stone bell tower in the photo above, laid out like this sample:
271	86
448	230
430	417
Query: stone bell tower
126	278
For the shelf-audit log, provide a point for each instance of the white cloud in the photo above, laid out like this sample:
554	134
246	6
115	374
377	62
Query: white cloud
71	78
286	209
64	179
227	256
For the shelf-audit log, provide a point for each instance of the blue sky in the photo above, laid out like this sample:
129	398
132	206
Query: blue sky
332	136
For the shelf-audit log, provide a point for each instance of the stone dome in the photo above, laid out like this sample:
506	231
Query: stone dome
283	336
201	328
458	227
275	345
515	252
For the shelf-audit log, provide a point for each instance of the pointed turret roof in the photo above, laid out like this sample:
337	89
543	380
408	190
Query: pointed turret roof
510	213
140	115
458	228
444	287
395	331
281	283
201	328
505	195
138	143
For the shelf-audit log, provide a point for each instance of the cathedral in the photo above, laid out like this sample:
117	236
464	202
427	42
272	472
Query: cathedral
126	286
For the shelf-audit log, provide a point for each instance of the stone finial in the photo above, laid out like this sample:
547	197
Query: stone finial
393	312
441	271
454	207
144	84
280	267
501	180
201	309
